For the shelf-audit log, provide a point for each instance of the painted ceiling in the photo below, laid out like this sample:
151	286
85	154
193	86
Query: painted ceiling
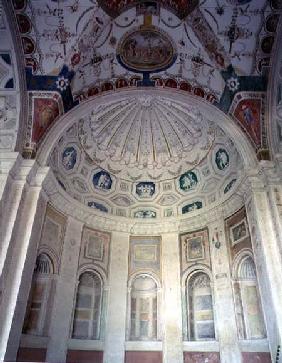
205	37
146	157
217	50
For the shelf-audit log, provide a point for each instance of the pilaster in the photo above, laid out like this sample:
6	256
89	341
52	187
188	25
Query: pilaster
267	253
224	309
172	314
60	324
116	318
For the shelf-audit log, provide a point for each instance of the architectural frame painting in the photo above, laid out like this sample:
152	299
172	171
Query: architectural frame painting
239	232
195	249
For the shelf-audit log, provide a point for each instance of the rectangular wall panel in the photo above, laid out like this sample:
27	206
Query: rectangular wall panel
31	355
252	357
143	357
199	357
84	356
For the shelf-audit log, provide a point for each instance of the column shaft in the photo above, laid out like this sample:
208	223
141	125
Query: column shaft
20	310
116	317
10	203
172	317
60	324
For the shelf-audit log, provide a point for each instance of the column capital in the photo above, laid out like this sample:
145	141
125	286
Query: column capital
7	160
37	175
21	169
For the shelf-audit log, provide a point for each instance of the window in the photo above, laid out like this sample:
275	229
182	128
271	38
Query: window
200	307
35	319
86	322
144	311
248	309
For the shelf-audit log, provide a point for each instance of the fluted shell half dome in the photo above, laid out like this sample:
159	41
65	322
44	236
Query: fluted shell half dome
146	137
145	156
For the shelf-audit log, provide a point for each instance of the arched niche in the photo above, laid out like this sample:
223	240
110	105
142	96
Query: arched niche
97	217
249	316
39	307
88	306
144	307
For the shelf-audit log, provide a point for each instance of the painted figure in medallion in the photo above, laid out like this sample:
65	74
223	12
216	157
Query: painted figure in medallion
145	189
191	207
188	181
102	180
221	159
98	206
69	158
145	214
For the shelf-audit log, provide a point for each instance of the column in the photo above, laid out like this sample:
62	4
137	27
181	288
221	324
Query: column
9	204
7	161
172	313
20	310
65	293
116	317
265	241
17	254
224	309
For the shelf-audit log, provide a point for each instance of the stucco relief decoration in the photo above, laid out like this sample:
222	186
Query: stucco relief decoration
146	134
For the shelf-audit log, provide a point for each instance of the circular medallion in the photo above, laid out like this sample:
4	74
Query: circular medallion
146	50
